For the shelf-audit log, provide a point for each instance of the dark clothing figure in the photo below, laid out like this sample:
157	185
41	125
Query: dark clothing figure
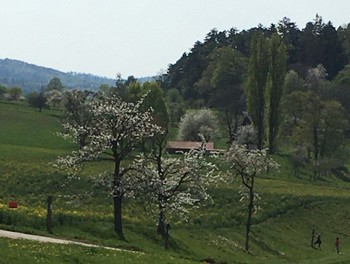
337	244
247	120
318	241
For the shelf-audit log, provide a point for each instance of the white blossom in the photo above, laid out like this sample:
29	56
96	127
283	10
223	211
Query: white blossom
115	130
178	184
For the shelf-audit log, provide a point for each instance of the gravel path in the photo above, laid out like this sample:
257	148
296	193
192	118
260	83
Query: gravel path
16	235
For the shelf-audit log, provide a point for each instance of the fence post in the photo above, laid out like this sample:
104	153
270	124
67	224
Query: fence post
49	214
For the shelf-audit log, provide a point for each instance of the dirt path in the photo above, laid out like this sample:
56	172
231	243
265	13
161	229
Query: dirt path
16	235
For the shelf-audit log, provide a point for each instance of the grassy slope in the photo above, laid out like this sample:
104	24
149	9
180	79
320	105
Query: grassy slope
281	231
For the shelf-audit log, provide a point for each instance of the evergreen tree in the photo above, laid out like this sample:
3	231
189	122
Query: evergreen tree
291	37
334	58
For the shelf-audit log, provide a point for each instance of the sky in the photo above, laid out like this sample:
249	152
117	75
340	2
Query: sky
136	37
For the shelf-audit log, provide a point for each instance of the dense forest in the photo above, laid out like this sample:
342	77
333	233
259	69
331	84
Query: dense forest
294	83
214	72
318	43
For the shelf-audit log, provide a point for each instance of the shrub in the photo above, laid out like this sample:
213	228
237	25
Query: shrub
204	122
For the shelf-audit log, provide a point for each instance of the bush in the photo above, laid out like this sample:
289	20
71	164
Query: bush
203	122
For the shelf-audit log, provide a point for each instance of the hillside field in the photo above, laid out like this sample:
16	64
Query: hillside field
291	208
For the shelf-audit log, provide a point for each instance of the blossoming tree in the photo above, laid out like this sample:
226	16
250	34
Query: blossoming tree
116	130
248	164
173	184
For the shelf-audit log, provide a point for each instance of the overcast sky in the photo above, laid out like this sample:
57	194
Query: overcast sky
136	37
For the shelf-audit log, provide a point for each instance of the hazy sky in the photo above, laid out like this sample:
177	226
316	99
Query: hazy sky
136	37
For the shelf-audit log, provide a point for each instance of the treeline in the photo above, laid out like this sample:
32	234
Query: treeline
294	83
317	43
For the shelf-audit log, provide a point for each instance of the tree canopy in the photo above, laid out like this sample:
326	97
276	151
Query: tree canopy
317	43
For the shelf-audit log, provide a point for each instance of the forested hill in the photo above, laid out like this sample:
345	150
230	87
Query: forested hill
212	66
32	77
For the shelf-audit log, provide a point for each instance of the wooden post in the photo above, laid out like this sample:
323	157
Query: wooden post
49	214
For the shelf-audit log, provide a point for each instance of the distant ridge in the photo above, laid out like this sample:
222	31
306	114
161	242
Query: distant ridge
32	77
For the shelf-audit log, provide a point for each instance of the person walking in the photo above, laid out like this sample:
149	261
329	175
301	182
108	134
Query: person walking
337	245
318	241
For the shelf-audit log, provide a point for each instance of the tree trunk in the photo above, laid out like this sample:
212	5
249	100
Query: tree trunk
260	135
161	224
117	201
271	132
316	153
163	229
250	213
229	126
118	227
166	238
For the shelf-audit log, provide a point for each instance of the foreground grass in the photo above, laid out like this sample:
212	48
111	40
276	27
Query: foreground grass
24	252
281	232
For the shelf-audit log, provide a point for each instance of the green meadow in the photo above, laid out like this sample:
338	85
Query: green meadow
291	207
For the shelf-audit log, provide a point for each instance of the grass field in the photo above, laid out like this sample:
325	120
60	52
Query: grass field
24	252
281	232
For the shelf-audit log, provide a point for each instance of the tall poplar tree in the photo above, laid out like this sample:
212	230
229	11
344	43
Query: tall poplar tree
277	72
256	83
